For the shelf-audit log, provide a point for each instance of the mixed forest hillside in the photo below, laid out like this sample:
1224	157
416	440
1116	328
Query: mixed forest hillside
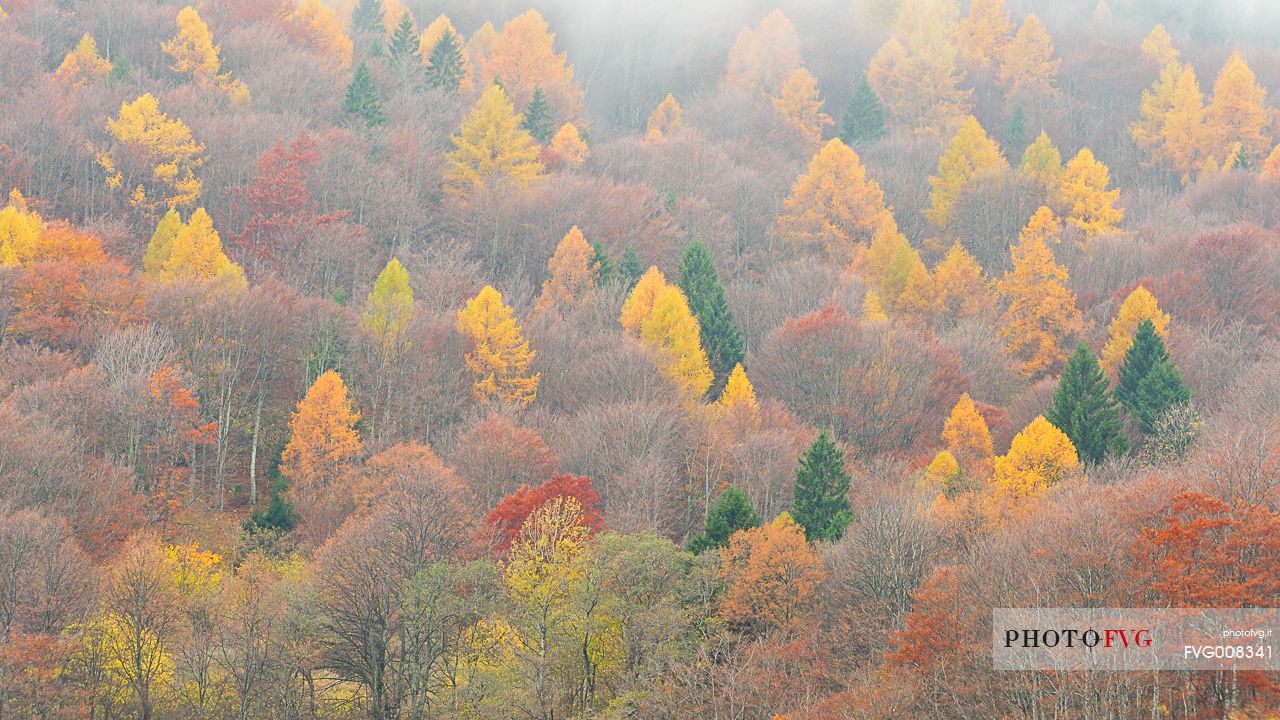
408	359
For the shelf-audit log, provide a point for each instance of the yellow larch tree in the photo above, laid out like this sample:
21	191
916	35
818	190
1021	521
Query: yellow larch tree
1139	306
1089	205
523	58
1042	161
196	255
800	104
166	145
1182	134
491	149
738	391
961	289
161	244
673	332
918	302
834	205
1042	312
82	64
323	441
500	355
1158	46
571	273
1237	113
917	79
194	54
321	25
887	262
568	145
389	308
872	308
984	33
431	35
942	471
1271	166
1157	100
480	49
1039	456
1028	68
639	303
763	57
666	120
970	156
965	434
20	229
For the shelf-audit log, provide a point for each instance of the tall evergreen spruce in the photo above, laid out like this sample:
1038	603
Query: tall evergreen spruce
404	42
605	271
537	118
1160	391
444	68
1147	351
721	336
1085	410
1018	127
367	16
821	495
730	512
362	98
863	118
629	268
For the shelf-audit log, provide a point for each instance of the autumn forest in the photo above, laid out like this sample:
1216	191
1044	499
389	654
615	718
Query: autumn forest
478	360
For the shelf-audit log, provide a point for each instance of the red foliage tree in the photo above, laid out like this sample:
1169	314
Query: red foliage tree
505	520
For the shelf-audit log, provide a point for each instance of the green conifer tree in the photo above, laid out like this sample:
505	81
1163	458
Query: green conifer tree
367	16
721	337
1159	392
730	512
537	118
821	495
629	268
605	271
1145	353
444	64
403	48
863	118
362	98
1085	410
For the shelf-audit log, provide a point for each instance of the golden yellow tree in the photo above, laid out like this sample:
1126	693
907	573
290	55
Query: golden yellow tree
323	441
319	23
523	58
970	156
1042	312
887	262
1156	102
1271	166
571	273
984	33
872	308
1139	306
167	147
961	289
1089	205
917	80
738	394
568	145
161	244
1028	68
20	229
942	471
918	302
1039	456
762	58
965	434
1158	46
1042	161
800	104
194	54
196	255
431	35
639	303
389	308
499	356
491	150
1238	113
673	331
665	120
82	64
834	204
1182	134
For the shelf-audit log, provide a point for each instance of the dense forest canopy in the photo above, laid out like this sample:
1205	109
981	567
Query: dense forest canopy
403	359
